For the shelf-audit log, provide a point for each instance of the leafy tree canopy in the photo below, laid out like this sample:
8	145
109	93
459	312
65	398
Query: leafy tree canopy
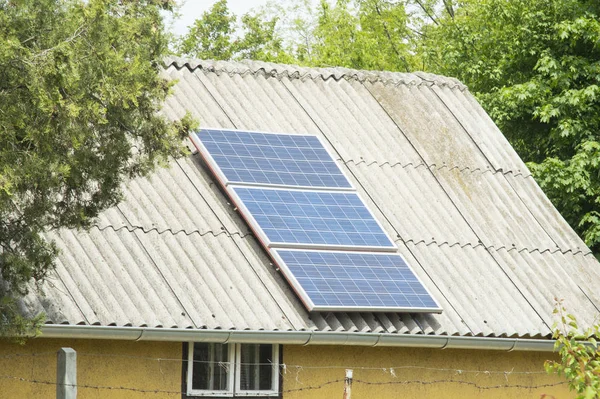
218	35
367	34
79	96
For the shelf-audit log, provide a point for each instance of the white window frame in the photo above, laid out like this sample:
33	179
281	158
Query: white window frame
233	378
209	392
274	373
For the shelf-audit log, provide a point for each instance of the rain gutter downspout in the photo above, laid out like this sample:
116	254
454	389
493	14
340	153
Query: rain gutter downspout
297	338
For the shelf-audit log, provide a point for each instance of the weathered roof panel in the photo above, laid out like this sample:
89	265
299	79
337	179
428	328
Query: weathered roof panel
353	122
488	203
430	163
544	276
549	219
422	211
485	298
437	136
482	130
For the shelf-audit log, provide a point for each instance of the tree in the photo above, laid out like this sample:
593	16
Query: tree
535	67
371	35
579	355
359	34
365	34
217	35
79	101
210	37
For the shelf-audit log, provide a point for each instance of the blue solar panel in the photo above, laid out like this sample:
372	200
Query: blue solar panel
337	219
269	158
356	281
313	223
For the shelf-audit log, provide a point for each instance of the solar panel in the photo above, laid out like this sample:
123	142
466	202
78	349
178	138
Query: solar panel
313	218
271	158
312	222
354	281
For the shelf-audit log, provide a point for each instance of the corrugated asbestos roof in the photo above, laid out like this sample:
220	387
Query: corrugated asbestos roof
430	163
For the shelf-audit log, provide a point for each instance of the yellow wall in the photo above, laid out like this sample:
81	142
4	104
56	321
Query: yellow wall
311	372
29	371
318	372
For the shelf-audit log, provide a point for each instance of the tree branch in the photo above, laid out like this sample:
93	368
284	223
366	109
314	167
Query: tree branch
387	33
429	14
78	32
449	8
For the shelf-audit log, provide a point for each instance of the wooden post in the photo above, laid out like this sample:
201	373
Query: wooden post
66	374
348	384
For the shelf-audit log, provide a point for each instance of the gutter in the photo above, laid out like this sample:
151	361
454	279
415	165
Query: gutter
297	338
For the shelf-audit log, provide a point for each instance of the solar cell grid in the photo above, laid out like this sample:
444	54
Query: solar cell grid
364	281
269	158
337	219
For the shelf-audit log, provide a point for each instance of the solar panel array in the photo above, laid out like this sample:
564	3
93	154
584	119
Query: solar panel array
305	212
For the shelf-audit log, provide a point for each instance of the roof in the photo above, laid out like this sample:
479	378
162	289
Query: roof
437	173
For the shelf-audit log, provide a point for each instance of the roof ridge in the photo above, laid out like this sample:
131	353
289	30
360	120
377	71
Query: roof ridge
145	230
433	166
495	248
298	72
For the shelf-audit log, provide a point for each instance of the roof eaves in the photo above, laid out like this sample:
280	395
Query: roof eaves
298	338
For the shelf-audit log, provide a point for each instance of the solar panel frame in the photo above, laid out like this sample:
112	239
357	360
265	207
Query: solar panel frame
310	305
268	243
225	181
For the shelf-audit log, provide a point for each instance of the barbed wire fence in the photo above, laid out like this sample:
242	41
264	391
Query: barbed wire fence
294	375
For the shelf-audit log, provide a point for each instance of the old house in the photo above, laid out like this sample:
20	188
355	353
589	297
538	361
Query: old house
170	294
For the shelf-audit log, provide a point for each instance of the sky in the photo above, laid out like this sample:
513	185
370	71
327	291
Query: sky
193	9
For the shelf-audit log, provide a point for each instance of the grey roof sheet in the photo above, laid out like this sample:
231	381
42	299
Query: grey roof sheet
436	171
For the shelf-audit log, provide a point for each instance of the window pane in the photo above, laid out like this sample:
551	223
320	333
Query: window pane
256	368
211	367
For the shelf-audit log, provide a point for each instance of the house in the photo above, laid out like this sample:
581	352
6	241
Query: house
171	295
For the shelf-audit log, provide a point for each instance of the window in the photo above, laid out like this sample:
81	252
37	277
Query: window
232	370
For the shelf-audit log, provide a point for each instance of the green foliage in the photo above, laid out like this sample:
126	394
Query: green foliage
211	36
79	95
579	355
359	34
362	34
371	35
216	35
297	21
535	67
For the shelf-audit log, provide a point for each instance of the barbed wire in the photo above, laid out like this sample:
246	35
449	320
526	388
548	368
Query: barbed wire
286	365
305	388
474	384
313	387
291	373
394	368
87	386
38	354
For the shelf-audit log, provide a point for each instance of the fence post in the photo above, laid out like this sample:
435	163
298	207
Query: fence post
348	384
66	374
